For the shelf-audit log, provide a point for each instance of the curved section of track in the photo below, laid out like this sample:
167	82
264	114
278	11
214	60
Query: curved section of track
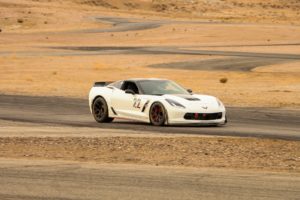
243	122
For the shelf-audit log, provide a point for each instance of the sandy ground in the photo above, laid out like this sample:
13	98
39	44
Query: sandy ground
273	11
48	72
217	152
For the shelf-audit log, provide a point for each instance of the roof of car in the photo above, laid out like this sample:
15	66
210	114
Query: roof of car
144	79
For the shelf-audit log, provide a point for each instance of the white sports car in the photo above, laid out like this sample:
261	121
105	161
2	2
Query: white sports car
156	101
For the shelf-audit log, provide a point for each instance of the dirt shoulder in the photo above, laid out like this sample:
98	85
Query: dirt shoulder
217	152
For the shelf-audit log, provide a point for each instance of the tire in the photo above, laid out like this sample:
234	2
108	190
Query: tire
100	111
157	114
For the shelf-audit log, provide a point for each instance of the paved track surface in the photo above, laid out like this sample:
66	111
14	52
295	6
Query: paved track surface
37	180
224	64
245	61
115	50
243	122
124	25
233	61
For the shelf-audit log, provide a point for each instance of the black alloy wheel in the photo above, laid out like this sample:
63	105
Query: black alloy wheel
158	115
100	111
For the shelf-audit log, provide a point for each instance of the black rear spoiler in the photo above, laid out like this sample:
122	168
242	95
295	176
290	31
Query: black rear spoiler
101	84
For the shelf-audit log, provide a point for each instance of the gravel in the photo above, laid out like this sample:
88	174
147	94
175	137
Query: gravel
239	153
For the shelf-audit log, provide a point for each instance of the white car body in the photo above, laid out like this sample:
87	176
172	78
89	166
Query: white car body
137	106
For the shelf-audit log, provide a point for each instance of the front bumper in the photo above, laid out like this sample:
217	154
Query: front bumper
203	117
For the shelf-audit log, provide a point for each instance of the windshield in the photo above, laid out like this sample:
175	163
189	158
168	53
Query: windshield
161	87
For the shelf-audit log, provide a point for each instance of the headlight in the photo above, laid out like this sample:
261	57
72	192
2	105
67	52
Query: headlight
220	103
174	103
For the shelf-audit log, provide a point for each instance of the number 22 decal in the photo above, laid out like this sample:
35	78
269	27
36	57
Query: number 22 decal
137	103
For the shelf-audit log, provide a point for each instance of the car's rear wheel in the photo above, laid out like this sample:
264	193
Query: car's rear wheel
158	114
100	111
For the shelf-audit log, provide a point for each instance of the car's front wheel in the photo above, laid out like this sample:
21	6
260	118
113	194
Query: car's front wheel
100	111
158	114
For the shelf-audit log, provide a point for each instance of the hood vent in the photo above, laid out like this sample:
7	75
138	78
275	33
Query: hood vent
192	99
188	97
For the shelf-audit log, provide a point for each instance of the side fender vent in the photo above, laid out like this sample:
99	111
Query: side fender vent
113	110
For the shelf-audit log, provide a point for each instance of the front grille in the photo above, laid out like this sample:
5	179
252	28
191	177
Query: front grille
203	116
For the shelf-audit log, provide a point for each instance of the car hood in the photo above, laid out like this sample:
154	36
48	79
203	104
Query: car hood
195	100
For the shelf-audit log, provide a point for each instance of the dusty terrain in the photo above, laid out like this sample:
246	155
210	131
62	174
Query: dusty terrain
255	154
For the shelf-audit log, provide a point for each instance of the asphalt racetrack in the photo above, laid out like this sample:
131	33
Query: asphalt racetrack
233	61
60	111
57	180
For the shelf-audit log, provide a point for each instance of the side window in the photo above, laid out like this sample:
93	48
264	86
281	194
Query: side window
130	86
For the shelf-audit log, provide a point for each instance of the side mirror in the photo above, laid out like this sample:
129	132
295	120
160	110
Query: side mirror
129	91
189	91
